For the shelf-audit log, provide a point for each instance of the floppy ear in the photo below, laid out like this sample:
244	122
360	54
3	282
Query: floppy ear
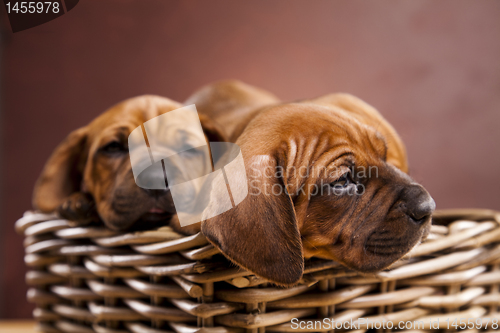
260	233
213	131
62	174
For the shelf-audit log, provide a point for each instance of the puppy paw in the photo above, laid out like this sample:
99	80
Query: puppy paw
79	209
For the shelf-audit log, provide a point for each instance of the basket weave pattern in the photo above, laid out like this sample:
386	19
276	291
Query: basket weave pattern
91	279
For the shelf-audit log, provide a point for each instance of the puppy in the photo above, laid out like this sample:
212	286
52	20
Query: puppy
353	202
89	176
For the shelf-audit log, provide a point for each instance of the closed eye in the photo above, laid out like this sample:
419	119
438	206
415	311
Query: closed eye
114	147
344	181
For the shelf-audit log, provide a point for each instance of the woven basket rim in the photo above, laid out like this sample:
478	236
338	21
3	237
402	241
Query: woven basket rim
93	279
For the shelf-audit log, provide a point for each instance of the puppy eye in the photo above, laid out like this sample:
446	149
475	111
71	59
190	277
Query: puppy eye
114	147
344	181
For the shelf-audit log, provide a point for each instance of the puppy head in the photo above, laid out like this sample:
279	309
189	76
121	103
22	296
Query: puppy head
324	184
93	164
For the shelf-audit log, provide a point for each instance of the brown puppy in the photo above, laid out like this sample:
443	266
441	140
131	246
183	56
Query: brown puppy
89	175
327	178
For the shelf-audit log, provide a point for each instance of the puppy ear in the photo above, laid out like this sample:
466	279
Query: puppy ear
260	233
213	131
62	174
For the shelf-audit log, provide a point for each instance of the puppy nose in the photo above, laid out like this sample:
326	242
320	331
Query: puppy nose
422	210
419	204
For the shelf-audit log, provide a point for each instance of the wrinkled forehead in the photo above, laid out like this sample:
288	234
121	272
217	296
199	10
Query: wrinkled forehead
312	118
317	127
177	130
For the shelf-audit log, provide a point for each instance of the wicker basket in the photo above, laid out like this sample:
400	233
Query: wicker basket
97	280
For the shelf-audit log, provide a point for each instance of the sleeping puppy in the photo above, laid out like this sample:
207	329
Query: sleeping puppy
327	177
89	176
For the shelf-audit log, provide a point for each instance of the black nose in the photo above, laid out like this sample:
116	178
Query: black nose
418	203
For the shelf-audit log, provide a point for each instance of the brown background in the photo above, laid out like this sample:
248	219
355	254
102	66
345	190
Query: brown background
431	67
